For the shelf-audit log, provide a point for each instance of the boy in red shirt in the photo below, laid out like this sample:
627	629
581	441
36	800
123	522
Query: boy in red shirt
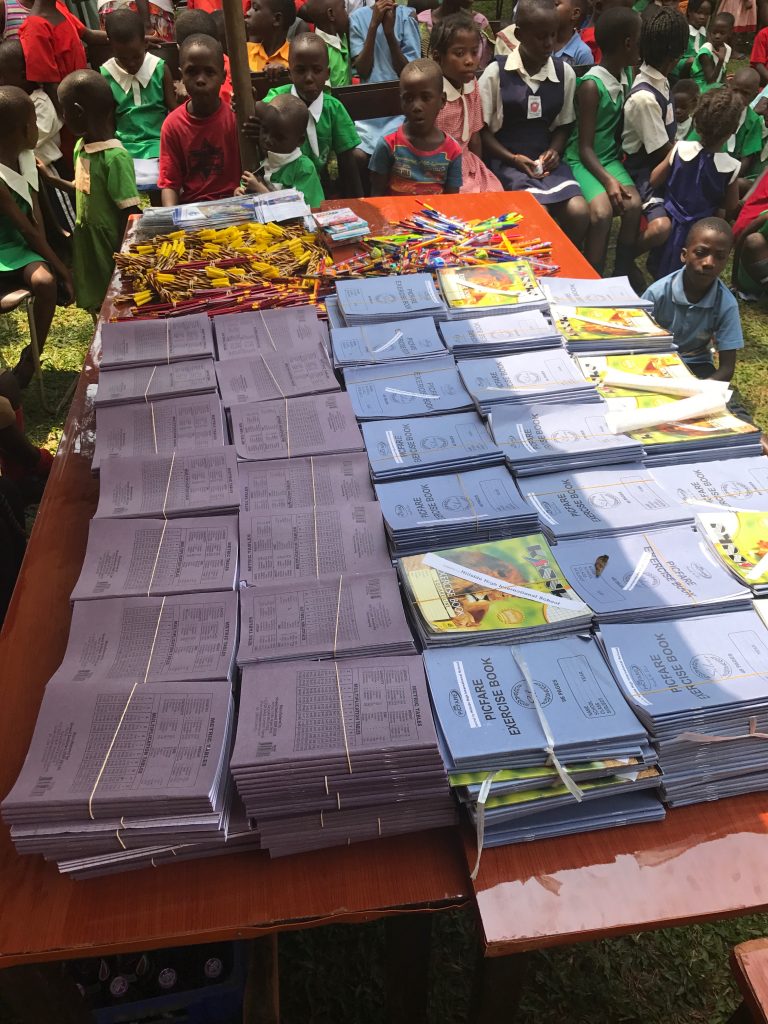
588	34
199	155
759	56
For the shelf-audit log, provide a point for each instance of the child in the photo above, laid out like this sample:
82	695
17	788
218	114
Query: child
759	56
429	19
382	40
528	108
593	151
750	258
419	158
142	87
744	14
695	306
26	259
454	47
12	14
569	45
52	39
747	142
700	179
698	13
20	461
266	25
330	128
685	99
649	119
599	7
196	22
104	180
283	124
331	23
709	64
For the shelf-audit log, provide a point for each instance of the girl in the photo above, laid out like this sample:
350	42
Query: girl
52	39
528	109
699	178
266	25
431	19
699	12
594	152
710	63
454	47
744	14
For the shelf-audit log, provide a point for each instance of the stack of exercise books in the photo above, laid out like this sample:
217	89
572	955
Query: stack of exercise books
550	377
739	540
737	484
651	574
602	502
334	752
149	383
473	291
126	343
290	330
375	300
341	227
542	439
389	342
319	481
425	513
700	685
291	427
272	375
413	387
504	591
538	740
501	335
402	448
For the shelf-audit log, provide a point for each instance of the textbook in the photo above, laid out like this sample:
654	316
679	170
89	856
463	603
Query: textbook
454	509
402	448
414	387
651	574
472	290
294	329
500	591
148	383
271	375
285	429
146	342
140	557
605	291
739	541
609	329
550	377
544	439
319	481
520	331
387	342
602	502
159	428
373	300
737	484
181	484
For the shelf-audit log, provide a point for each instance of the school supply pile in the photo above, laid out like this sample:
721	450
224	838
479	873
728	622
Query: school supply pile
150	383
389	342
501	335
377	300
293	331
341	226
271	375
551	377
736	484
739	540
287	428
284	204
319	481
414	387
488	289
146	342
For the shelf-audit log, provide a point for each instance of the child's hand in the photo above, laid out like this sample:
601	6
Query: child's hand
67	284
527	166
382	8
180	89
252	128
617	194
549	160
250	182
274	71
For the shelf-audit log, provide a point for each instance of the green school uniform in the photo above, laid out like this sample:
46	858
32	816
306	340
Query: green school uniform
697	74
696	37
747	141
611	97
106	185
140	105
338	59
334	129
640	5
294	170
22	184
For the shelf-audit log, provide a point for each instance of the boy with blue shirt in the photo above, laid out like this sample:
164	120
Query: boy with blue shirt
569	45
695	306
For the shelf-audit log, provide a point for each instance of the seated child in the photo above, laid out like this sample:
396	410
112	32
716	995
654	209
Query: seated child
418	158
750	258
528	108
710	63
142	87
759	56
569	46
20	460
700	178
52	39
104	181
330	128
429	19
193	22
266	26
698	14
594	152
382	40
599	7
283	125
744	14
26	258
331	23
199	157
685	99
454	47
747	142
694	305
157	16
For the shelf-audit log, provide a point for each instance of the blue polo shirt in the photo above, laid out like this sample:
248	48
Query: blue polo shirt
575	52
715	318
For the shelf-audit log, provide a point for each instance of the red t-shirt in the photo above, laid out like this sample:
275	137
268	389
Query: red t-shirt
759	53
199	156
754	204
588	36
226	92
51	52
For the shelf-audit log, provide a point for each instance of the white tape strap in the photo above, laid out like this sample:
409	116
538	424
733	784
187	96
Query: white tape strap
168	484
157	557
149	383
485	789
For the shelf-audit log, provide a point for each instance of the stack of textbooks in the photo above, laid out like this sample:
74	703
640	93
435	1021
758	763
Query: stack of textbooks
341	227
531	378
163	380
413	387
272	375
127	343
330	753
390	342
504	712
700	686
294	329
540	439
739	540
654	574
272	207
287	428
500	335
398	449
431	512
597	291
493	288
602	502
500	592
321	481
737	484
374	300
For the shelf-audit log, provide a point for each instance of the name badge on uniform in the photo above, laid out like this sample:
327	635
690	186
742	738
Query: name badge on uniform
534	106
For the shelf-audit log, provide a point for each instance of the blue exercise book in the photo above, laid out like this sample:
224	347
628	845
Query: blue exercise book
527	378
739	484
493	335
385	343
376	299
416	387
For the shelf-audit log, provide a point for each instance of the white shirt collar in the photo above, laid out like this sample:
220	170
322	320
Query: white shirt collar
731	143
653	77
683	127
452	93
315	109
24	179
275	161
333	41
613	85
99	147
135	82
515	63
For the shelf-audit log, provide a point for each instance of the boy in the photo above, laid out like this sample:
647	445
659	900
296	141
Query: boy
599	7
750	258
104	180
747	142
331	23
330	128
696	307
193	22
759	56
569	45
685	98
283	128
199	157
417	159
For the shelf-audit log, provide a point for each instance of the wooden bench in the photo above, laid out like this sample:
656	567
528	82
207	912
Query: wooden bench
749	963
381	99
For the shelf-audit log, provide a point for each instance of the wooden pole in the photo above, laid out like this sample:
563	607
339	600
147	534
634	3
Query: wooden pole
234	26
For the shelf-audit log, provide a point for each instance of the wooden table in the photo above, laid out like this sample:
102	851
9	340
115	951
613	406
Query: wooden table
749	962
